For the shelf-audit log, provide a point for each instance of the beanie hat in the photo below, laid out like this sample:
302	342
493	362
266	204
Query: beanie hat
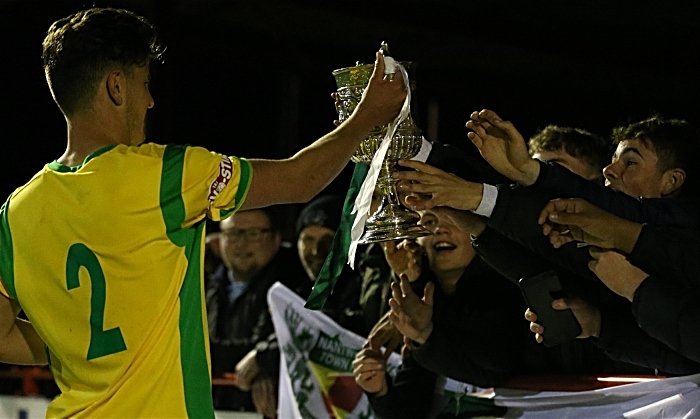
324	211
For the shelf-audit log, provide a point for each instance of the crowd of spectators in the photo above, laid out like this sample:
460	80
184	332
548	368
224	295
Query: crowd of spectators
616	220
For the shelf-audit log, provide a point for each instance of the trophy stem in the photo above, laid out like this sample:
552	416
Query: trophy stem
391	221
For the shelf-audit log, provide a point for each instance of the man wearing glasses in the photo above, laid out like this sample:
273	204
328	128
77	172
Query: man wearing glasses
252	260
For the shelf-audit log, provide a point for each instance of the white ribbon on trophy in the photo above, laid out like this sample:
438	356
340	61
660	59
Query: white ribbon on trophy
364	197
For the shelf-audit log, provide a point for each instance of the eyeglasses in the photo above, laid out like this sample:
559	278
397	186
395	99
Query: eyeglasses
251	234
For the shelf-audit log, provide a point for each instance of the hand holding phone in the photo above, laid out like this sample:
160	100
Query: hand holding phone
539	292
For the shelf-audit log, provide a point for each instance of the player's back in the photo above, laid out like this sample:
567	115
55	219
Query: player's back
112	283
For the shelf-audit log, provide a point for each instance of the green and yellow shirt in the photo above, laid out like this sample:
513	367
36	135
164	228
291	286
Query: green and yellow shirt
106	261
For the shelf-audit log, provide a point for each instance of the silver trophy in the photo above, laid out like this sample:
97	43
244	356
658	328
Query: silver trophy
391	221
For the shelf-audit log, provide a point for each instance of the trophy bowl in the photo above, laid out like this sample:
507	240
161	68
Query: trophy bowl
391	221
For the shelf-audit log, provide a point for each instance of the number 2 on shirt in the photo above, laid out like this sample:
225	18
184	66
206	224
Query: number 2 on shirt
102	342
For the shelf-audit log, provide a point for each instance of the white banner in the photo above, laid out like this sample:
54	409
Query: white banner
316	379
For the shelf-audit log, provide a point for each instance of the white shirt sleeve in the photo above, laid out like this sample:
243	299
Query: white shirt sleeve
425	149
488	201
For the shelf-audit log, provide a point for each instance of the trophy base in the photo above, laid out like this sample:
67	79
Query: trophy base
393	223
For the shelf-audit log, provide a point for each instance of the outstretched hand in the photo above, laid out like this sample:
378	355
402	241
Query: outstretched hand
413	316
502	146
588	317
574	219
616	272
440	188
404	258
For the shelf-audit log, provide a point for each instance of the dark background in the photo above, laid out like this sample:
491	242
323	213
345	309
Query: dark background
252	78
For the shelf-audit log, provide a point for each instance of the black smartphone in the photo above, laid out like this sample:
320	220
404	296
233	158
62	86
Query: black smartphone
559	325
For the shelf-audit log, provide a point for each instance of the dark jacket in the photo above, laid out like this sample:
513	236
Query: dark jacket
673	212
414	393
515	216
671	314
621	338
517	209
671	253
234	329
514	261
478	335
665	304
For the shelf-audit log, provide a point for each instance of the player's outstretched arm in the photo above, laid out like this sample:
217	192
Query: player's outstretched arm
303	176
19	342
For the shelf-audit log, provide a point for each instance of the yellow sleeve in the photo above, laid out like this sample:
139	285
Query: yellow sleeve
213	184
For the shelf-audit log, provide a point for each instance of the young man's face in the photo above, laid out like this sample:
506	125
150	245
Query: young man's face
449	248
634	170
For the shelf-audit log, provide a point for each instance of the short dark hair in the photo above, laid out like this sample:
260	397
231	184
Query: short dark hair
78	49
579	143
675	142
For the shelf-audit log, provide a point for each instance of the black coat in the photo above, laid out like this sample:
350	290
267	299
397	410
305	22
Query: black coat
673	212
671	253
234	329
580	356
414	393
515	215
478	335
665	304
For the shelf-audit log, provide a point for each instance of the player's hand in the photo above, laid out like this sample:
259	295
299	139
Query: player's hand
502	146
247	370
413	316
369	369
616	272
444	189
383	98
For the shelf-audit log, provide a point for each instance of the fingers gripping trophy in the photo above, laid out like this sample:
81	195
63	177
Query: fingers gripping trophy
382	149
